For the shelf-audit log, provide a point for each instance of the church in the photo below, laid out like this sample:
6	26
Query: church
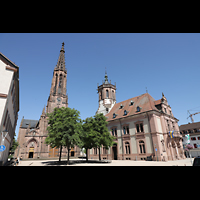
32	133
141	126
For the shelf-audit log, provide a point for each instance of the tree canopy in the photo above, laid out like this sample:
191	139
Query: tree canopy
96	134
64	129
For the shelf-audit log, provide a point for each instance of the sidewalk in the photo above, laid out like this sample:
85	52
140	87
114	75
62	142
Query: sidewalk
79	162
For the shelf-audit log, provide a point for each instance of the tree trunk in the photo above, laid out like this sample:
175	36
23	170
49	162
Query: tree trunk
67	155
99	154
60	153
86	154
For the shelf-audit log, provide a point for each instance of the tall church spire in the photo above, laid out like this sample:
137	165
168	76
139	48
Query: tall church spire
58	96
61	60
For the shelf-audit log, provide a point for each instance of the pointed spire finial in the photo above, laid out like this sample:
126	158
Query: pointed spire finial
106	77
163	94
61	59
62	49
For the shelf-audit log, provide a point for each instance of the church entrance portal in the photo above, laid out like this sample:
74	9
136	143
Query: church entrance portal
31	152
72	152
30	155
114	148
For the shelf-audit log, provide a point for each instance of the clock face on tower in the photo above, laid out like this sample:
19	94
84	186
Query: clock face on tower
58	99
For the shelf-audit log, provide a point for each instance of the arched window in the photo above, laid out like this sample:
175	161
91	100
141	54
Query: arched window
113	94
127	148
60	81
107	94
56	83
142	146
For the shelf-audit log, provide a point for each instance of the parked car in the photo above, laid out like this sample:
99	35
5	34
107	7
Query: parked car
196	161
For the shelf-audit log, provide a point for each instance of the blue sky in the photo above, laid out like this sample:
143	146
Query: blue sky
162	62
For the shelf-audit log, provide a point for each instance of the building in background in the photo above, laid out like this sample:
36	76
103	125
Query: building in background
9	104
141	126
193	129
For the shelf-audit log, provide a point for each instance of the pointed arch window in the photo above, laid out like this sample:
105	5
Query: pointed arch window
56	83
60	81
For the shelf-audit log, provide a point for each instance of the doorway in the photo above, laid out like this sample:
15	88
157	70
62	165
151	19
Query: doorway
31	152
114	149
72	152
30	155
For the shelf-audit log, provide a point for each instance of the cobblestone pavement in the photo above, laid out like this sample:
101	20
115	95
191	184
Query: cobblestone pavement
79	162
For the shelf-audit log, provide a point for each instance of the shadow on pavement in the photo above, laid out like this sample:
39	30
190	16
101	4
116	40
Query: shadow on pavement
74	162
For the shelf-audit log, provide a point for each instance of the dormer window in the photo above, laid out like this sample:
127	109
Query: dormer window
125	112
131	103
121	106
138	109
114	115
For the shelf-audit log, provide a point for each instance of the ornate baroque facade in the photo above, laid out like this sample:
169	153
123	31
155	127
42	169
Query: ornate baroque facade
32	133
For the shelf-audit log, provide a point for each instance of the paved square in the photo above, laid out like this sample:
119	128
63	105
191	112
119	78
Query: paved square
79	162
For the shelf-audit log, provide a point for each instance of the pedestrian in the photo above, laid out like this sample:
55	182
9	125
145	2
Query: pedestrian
20	159
16	161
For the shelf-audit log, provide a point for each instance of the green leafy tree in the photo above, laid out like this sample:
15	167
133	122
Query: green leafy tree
64	129
14	146
103	136
89	135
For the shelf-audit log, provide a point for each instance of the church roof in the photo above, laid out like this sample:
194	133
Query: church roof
133	106
26	122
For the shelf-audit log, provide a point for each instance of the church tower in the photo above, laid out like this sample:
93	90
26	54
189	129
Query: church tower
107	97
58	97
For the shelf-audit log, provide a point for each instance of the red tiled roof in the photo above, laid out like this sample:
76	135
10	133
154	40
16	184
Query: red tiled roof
145	101
157	102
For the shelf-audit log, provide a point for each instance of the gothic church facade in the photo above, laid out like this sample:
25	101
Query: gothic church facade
32	133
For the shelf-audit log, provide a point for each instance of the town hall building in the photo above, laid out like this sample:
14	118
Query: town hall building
141	127
32	133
